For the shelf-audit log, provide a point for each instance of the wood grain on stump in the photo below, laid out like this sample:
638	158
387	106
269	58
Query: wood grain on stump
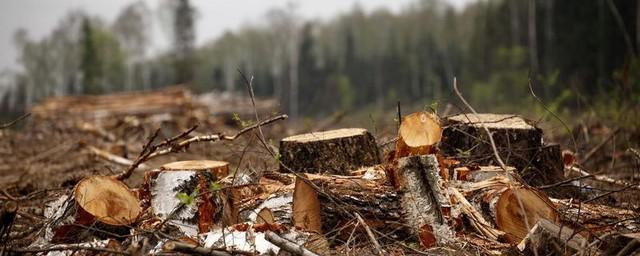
508	204
107	200
336	151
418	134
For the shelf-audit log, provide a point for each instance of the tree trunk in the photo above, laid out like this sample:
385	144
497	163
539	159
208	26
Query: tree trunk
533	45
336	151
424	199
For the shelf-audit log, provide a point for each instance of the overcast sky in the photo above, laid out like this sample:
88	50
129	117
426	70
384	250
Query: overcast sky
39	17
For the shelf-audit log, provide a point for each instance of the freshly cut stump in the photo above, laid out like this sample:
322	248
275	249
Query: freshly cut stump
335	152
101	202
106	200
419	133
174	184
517	141
509	204
424	199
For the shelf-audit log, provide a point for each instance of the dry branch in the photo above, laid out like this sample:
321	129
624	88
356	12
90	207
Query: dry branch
174	246
287	245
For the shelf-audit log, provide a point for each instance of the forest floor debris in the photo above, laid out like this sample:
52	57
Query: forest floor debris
161	176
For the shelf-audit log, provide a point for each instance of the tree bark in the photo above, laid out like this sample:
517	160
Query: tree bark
180	192
336	151
424	199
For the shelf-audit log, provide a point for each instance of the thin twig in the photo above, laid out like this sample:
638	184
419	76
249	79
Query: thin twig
597	148
566	127
214	137
9	124
64	247
373	239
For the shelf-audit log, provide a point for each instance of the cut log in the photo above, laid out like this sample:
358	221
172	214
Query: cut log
376	201
547	238
424	199
512	207
181	192
106	200
334	152
306	207
418	134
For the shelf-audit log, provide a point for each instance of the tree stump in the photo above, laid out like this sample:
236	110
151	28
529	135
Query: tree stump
101	202
424	199
335	152
418	134
508	205
518	142
184	192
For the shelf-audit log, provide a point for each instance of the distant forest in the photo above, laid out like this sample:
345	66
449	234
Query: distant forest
576	52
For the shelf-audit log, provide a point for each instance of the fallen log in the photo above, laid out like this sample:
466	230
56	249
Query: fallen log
182	193
334	152
418	134
512	207
376	201
424	199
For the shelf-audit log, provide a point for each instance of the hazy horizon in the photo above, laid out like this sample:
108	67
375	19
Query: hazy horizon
39	18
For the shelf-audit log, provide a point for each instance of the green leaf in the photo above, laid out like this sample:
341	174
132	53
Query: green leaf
215	186
278	156
184	198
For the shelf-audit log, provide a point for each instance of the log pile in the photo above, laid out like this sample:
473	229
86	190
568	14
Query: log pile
438	190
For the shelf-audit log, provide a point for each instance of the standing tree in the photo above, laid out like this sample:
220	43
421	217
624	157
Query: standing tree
131	29
183	41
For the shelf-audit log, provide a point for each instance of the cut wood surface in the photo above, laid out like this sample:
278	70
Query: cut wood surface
424	199
306	207
219	168
418	134
107	200
336	151
512	207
